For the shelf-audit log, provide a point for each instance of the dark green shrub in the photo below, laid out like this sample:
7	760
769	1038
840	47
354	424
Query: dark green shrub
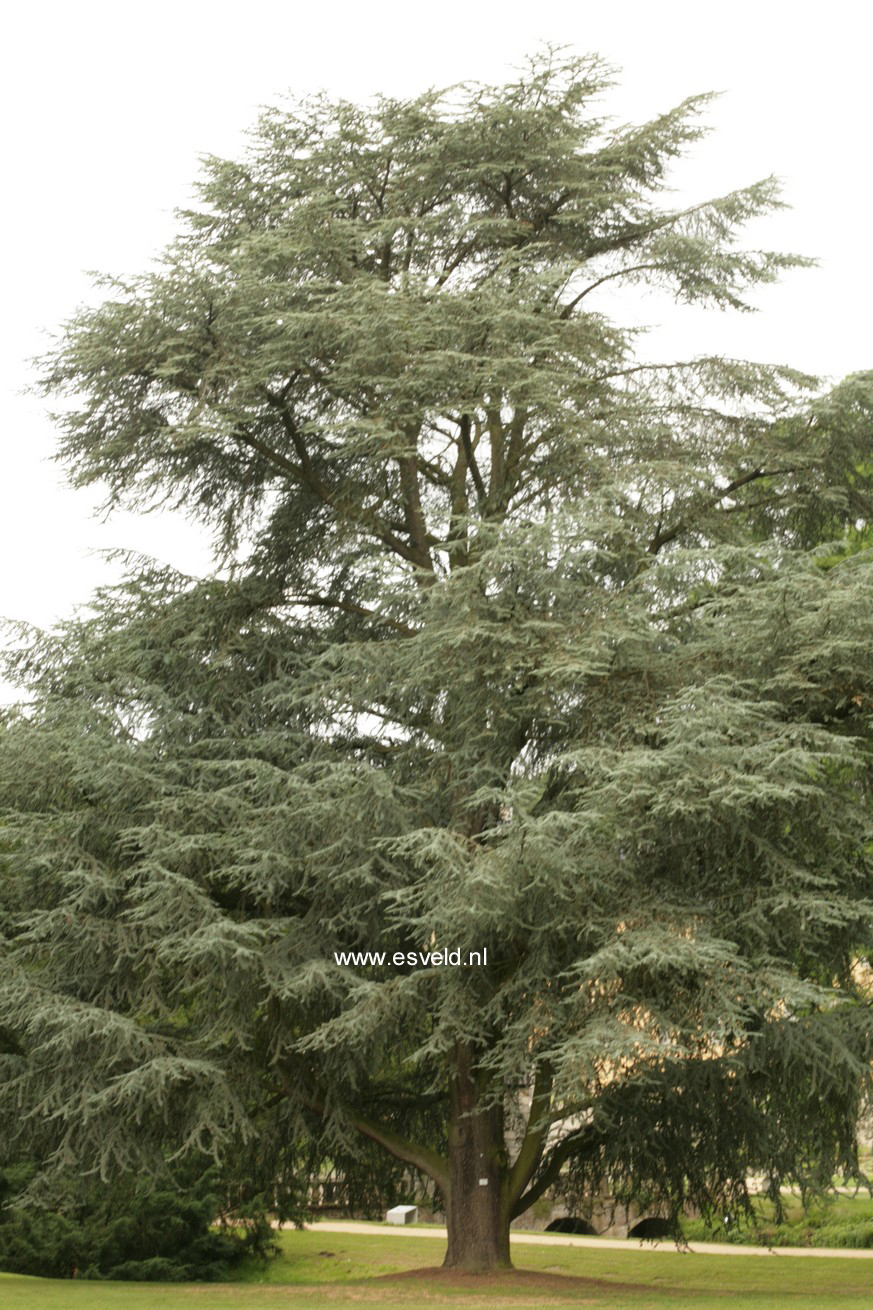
130	1230
858	1235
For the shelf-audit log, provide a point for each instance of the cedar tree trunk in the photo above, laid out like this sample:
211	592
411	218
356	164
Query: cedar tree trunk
478	1200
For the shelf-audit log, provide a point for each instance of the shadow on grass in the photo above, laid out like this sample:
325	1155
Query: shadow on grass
524	1281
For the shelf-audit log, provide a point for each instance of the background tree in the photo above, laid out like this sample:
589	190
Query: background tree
522	647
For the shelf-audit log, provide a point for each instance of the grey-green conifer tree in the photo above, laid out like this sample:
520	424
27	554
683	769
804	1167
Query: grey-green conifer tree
523	647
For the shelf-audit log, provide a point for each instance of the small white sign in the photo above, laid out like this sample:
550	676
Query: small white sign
483	1182
402	1214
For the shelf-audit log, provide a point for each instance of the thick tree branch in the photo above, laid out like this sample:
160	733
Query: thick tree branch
663	536
536	1134
466	248
514	453
274	457
307	475
549	1176
567	309
350	607
413	512
470	455
545	215
496	437
420	1157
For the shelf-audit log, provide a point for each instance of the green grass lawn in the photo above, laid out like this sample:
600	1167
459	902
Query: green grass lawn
318	1269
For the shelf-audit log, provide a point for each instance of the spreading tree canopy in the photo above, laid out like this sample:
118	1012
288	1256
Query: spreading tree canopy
522	644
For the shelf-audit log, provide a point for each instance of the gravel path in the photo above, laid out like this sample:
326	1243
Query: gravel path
600	1243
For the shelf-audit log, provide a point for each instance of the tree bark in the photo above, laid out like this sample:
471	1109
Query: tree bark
477	1199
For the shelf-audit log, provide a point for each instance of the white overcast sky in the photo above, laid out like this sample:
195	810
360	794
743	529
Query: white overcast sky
108	105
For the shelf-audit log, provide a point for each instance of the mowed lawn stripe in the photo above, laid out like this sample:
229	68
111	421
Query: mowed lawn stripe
318	1269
